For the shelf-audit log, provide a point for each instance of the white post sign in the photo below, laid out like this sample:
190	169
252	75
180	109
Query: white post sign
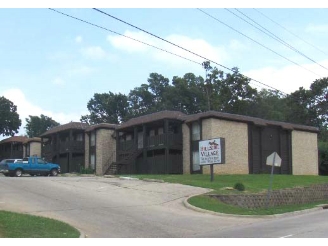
210	152
274	160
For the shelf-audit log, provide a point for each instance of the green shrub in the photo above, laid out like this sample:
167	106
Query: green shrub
88	170
239	186
323	151
323	158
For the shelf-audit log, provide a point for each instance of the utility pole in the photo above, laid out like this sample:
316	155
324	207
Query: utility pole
207	66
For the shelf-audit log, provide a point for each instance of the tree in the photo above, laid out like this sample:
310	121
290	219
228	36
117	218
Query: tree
298	104
9	118
228	92
107	108
187	94
151	97
140	100
270	105
36	125
319	101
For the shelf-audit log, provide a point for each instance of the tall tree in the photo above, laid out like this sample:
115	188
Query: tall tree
36	125
187	94
9	118
107	108
150	97
299	109
140	100
319	100
270	105
228	92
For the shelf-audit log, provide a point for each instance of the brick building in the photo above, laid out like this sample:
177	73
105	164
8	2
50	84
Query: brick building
166	142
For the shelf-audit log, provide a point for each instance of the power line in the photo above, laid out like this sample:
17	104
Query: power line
158	37
184	49
147	44
256	42
123	35
291	32
272	35
95	25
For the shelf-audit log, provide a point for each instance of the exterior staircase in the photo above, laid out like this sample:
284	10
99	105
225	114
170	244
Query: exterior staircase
115	167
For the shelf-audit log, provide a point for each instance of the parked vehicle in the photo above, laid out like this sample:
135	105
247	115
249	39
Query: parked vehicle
31	165
4	161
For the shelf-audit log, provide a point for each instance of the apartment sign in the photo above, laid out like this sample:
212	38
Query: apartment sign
211	151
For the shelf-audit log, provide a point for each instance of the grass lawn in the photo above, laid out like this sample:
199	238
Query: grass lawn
14	225
254	183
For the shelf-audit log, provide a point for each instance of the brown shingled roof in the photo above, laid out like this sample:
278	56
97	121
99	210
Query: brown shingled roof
68	126
14	139
32	140
247	119
166	114
101	126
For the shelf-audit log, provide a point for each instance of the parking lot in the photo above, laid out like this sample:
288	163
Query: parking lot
113	207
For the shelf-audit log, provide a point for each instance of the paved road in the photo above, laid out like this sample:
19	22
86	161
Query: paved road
308	225
111	207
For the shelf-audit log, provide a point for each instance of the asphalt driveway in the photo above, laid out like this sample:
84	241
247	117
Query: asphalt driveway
113	207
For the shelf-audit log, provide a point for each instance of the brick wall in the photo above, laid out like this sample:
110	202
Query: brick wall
105	150
315	193
305	153
35	148
236	145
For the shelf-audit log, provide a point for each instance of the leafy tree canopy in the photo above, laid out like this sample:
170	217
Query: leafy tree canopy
35	125
106	108
219	91
9	118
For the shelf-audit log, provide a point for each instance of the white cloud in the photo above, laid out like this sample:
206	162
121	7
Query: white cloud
60	56
316	28
290	78
198	46
94	52
236	45
26	108
78	39
130	45
58	81
81	70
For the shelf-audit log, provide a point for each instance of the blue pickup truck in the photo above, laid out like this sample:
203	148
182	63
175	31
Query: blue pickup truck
31	165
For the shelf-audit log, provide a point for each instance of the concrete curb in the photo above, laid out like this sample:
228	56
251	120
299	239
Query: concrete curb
128	178
189	206
153	180
82	234
110	176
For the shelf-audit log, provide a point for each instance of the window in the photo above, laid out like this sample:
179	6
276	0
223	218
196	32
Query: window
140	140
28	150
173	129
40	161
195	161
79	137
93	139
152	133
160	130
92	161
195	131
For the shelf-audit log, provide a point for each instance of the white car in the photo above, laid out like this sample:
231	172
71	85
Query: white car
4	161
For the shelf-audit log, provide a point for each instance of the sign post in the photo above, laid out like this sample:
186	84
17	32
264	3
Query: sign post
212	152
272	160
212	172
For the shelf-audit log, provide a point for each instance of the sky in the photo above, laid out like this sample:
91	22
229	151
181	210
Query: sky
52	64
